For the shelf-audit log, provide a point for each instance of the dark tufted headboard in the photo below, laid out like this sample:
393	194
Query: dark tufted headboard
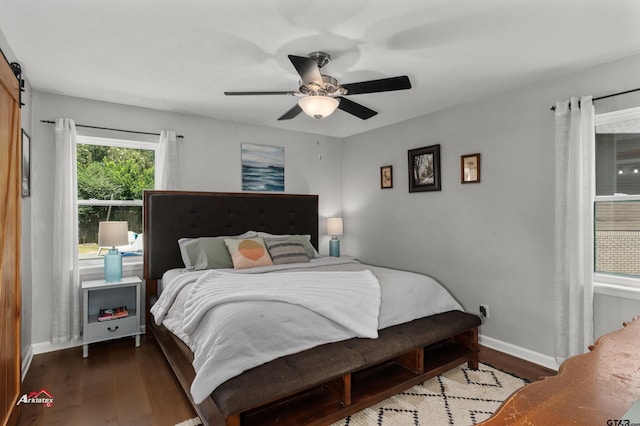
171	215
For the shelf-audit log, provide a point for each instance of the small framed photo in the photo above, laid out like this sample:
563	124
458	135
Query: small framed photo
424	169
386	177
470	168
26	164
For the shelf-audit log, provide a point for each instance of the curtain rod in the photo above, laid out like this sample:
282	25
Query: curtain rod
109	128
553	108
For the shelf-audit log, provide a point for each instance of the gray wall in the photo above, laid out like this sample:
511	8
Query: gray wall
209	158
491	242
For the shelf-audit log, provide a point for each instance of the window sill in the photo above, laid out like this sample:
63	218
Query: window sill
617	290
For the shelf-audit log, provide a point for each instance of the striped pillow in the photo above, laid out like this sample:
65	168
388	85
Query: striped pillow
286	251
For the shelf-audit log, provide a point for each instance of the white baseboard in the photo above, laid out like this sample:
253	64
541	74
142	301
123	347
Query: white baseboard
519	352
26	361
44	347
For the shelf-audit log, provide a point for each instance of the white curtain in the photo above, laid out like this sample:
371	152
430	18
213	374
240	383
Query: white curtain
167	161
65	321
575	183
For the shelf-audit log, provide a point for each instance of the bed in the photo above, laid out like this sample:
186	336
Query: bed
338	352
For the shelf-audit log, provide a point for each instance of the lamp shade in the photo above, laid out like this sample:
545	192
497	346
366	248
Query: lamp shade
318	106
334	226
111	234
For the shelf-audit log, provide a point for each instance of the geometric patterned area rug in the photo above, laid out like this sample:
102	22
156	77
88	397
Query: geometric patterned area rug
458	397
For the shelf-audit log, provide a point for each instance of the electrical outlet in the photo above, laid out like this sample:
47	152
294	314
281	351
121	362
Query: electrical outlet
484	311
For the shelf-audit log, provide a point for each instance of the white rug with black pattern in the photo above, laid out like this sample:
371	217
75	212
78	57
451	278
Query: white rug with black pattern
458	397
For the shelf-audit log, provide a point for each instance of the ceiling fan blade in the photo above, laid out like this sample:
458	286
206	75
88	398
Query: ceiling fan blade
355	108
381	85
307	68
258	93
293	112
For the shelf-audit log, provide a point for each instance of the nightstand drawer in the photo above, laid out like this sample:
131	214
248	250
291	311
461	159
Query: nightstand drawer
112	329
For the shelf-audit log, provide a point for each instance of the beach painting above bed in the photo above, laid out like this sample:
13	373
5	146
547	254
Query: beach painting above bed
262	168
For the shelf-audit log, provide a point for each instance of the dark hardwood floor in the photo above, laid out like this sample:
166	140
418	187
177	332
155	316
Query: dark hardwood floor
510	364
119	384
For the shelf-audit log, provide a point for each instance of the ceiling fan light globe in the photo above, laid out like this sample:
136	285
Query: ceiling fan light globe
318	106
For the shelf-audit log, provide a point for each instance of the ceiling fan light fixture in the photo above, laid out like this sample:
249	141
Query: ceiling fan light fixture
318	106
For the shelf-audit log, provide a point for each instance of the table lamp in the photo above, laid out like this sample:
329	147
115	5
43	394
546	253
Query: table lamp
334	228
112	234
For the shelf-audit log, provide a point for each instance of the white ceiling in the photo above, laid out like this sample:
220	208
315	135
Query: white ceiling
181	55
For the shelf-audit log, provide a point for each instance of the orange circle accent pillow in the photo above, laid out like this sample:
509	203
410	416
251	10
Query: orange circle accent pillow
248	252
250	249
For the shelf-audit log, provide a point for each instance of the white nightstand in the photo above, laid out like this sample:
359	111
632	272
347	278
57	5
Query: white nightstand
99	294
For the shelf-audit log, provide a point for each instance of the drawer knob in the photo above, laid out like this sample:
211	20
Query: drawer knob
112	330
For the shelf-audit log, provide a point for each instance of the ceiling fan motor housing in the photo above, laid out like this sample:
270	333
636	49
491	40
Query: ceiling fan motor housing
329	87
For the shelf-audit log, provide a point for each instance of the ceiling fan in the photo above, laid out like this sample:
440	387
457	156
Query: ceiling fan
320	94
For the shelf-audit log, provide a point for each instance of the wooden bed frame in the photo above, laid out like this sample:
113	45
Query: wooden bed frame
429	346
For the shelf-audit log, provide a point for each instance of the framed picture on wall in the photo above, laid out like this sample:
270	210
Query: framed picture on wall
386	177
470	168
262	168
424	169
26	164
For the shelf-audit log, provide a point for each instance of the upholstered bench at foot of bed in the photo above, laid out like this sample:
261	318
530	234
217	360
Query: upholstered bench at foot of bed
321	365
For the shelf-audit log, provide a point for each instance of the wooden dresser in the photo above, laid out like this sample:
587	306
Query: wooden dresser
595	388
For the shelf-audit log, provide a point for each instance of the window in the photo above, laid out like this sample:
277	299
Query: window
617	198
112	174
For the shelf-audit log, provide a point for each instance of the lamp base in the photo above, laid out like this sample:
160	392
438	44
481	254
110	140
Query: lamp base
334	247
113	266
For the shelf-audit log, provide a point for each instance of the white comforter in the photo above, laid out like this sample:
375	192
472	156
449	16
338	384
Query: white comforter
231	331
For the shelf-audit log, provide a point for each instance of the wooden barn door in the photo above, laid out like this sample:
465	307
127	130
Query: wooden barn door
10	193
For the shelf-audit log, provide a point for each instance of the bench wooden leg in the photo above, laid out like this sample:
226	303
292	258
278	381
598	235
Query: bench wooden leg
470	340
233	420
413	361
341	388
